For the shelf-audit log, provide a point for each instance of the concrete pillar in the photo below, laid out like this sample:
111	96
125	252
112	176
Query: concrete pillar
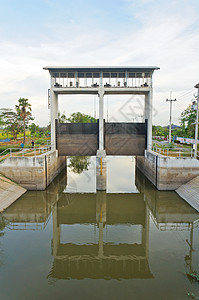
148	116
101	119
101	170
54	115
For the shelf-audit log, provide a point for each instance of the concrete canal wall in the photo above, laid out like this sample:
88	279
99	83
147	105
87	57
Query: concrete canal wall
190	192
9	192
167	173
33	173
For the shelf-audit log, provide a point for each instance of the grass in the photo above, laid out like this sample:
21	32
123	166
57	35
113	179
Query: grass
17	143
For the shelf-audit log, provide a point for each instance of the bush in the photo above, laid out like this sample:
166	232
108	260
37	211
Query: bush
41	141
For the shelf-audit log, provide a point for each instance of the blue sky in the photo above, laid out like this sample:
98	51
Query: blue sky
37	33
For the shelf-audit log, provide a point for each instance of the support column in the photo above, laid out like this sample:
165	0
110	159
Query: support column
148	116
101	119
101	153
54	115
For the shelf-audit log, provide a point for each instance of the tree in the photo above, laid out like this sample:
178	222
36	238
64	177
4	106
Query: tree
62	118
33	128
1	122
25	112
79	117
187	118
12	121
79	163
160	131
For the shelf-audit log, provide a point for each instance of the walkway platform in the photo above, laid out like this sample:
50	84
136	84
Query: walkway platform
9	192
190	192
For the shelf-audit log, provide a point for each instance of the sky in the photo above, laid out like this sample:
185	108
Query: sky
39	33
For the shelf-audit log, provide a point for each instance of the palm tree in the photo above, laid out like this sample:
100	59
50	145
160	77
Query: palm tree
24	110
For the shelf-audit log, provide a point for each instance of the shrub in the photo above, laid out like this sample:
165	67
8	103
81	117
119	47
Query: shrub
41	141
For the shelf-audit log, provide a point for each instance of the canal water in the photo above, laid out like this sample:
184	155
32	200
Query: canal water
71	242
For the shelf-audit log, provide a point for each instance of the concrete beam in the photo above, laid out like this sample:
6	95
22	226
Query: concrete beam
107	91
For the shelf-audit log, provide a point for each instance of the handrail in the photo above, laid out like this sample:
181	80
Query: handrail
176	151
24	152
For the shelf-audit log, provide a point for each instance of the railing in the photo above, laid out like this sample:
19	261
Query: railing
106	85
175	152
25	226
19	152
174	226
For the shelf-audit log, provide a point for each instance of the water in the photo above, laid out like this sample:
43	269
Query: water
69	242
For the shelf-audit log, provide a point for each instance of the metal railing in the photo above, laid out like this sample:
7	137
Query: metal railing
174	226
19	152
175	152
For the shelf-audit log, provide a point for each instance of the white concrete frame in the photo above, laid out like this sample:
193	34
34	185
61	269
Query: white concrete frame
101	90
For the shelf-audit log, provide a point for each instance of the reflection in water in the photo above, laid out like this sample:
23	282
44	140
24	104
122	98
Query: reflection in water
112	235
79	163
104	259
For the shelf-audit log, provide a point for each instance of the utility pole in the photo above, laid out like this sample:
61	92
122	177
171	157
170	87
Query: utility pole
171	100
196	127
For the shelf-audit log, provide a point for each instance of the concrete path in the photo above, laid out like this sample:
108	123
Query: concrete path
190	192
9	192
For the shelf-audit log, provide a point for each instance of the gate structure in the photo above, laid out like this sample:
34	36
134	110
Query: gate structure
82	139
102	138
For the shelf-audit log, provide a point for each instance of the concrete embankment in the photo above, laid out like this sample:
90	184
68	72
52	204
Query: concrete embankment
9	192
33	172
167	173
190	192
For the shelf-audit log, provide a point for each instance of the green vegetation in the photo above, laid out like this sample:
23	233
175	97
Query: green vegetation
187	118
79	163
15	121
160	131
24	112
11	122
77	117
187	129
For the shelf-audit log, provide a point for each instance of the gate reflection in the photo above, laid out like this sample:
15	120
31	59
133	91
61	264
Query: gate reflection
102	259
112	252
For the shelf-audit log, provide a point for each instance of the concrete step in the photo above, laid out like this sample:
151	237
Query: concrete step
9	192
190	192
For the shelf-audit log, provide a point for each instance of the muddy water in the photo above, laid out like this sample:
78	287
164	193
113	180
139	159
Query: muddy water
71	242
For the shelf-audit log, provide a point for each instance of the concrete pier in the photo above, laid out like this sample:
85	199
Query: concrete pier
101	170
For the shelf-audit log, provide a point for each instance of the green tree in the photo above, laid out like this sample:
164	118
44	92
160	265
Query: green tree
160	131
79	117
62	118
187	118
1	122
24	110
79	163
33	128
11	121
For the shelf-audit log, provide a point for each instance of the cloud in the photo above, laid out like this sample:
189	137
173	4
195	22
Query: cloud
153	33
